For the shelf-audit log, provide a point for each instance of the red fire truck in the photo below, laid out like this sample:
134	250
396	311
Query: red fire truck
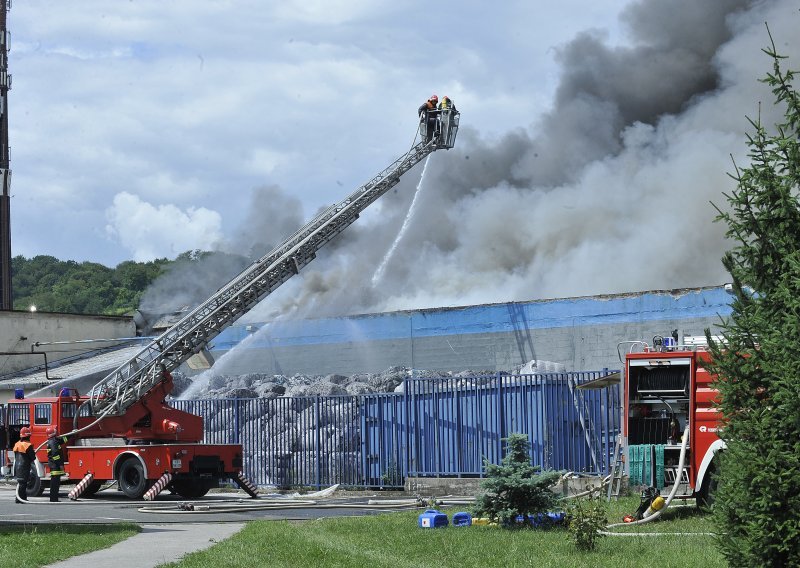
137	447
666	389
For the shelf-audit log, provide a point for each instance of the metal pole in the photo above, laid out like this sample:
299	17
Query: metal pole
6	300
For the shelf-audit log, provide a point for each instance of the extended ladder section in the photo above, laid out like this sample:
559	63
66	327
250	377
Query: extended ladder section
127	384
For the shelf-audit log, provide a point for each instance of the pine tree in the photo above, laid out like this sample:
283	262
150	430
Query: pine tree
515	487
757	501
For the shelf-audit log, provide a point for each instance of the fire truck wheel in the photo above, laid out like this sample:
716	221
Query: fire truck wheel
35	485
709	489
131	478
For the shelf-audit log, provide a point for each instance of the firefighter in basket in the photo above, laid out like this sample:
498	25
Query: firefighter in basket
429	117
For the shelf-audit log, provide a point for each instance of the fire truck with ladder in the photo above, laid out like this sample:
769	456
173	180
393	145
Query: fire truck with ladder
124	429
669	420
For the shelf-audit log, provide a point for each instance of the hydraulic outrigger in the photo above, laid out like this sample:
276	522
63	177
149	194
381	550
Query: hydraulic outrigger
124	430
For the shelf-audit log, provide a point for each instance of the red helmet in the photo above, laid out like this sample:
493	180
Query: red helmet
51	432
434	98
25	432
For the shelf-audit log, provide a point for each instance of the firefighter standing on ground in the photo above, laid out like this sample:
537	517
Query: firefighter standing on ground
428	115
55	459
23	459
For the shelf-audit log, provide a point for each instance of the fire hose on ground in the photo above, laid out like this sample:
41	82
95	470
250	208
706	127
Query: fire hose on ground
272	504
656	513
297	502
301	502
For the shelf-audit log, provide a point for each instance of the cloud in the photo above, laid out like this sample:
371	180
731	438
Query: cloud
161	231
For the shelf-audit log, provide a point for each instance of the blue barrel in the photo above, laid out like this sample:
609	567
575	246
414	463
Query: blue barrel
462	519
432	519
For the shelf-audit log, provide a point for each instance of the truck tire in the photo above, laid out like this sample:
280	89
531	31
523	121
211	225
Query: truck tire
708	492
131	478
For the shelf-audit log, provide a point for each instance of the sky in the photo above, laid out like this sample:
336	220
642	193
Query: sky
594	138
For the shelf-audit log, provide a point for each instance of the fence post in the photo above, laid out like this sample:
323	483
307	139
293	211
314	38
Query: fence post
236	420
501	417
318	455
406	421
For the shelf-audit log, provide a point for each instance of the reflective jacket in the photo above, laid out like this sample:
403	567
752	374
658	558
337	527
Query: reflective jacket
55	454
23	458
447	104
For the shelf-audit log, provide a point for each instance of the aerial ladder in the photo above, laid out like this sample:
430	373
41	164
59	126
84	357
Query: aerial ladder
123	387
123	429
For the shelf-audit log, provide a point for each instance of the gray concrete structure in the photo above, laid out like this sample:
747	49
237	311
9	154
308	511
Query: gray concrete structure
82	373
58	335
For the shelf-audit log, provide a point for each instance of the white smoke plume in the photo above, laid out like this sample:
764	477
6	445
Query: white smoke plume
271	217
608	192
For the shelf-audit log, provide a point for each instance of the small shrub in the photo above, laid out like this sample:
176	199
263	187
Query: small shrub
586	517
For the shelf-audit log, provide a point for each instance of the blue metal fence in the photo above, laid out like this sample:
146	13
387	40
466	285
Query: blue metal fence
444	427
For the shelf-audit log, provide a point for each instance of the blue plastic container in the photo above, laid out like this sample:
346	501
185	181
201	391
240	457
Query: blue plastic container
544	519
432	519
549	519
462	520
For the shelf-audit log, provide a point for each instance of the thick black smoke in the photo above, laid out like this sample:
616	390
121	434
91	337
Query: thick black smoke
607	192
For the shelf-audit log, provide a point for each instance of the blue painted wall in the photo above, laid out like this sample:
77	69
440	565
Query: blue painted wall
579	333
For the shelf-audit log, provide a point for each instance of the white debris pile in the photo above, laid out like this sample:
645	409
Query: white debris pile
261	385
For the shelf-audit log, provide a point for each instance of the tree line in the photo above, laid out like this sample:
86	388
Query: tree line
67	286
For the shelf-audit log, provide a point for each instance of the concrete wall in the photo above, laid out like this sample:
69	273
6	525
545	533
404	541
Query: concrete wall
578	333
19	331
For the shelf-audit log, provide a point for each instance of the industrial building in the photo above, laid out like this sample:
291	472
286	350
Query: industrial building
572	334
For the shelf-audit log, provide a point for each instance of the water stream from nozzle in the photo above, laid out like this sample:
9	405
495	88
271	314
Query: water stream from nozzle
382	268
202	380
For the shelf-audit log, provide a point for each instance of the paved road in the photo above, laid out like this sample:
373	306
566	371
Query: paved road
111	506
169	531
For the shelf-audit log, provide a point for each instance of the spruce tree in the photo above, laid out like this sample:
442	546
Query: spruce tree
757	499
515	487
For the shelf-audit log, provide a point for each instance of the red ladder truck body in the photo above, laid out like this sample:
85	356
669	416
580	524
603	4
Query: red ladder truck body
665	389
135	448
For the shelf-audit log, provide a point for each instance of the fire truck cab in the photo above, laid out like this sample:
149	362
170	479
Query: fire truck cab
667	389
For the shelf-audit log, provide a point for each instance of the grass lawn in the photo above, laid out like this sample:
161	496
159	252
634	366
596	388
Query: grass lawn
40	545
395	541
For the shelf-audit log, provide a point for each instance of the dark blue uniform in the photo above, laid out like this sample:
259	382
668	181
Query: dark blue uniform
23	458
55	461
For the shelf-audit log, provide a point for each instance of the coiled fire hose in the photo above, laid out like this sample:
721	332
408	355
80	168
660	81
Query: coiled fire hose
657	513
